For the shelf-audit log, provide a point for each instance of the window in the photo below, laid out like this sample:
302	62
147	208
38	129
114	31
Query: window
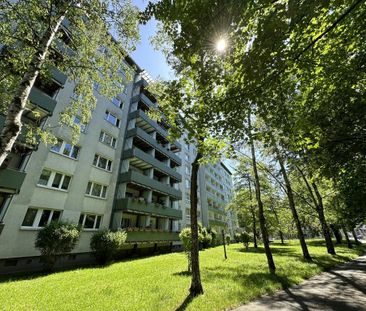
38	218
117	102
96	86
66	149
90	221
54	180
107	139
77	120
102	163
112	118
96	190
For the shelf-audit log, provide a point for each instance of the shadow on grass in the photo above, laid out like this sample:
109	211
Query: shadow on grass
182	273
185	303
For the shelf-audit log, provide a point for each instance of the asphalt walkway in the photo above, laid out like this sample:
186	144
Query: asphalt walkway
342	288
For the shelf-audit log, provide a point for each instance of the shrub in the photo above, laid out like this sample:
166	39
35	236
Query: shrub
214	236
227	239
186	238
106	243
55	239
206	238
237	237
246	239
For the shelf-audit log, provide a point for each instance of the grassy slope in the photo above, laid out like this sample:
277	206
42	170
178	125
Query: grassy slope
157	283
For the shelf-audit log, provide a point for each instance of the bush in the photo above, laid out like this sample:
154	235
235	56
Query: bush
246	239
55	239
106	243
227	239
186	238
214	236
206	238
237	237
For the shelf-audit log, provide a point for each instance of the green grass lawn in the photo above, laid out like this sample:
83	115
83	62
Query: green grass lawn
159	283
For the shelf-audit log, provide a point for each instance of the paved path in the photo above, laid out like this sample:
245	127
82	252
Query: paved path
343	289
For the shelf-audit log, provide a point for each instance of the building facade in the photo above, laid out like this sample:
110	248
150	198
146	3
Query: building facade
123	174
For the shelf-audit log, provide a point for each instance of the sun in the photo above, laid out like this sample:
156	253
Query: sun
221	45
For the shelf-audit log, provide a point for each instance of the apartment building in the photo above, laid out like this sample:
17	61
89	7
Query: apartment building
123	173
215	187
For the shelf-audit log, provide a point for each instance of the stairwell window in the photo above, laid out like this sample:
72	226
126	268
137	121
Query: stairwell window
107	139
55	180
90	221
102	163
111	118
66	149
38	218
96	190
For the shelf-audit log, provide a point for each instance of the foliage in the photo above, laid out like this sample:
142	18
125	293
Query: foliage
227	239
83	49
55	239
106	243
239	280
206	237
186	237
214	235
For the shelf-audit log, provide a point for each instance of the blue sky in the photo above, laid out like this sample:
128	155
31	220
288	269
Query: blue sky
145	56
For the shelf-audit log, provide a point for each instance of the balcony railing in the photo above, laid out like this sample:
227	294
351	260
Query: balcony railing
140	206
11	180
150	183
150	235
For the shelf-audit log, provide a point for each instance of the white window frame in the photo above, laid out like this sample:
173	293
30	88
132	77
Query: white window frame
38	216
118	120
98	161
89	194
62	148
51	179
95	221
102	140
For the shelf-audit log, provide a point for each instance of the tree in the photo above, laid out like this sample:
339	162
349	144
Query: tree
74	36
57	238
105	244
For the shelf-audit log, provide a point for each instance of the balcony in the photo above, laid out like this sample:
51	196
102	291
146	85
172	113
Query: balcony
11	180
215	222
137	156
37	97
147	124
59	76
150	183
22	136
136	205
216	210
147	101
153	143
149	235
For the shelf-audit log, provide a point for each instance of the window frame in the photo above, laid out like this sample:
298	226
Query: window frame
103	141
38	216
108	114
51	180
84	215
62	149
108	163
104	190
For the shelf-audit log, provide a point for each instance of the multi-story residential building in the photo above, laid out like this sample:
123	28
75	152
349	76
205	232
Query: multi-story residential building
123	173
214	193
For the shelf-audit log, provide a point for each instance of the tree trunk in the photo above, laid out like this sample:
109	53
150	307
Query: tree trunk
253	215
355	237
318	203
291	201
336	233
196	286
325	228
13	123
349	244
278	222
262	219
